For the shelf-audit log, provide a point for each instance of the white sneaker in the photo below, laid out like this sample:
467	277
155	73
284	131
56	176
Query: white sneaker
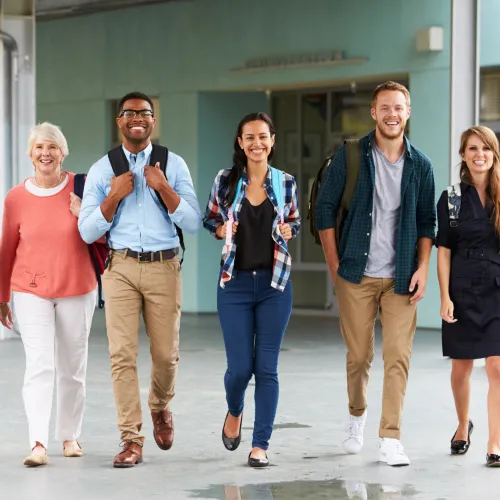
354	442
392	452
356	490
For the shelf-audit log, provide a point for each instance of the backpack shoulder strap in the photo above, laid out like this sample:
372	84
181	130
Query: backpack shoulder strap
118	160
353	163
236	194
277	180
454	203
79	185
159	154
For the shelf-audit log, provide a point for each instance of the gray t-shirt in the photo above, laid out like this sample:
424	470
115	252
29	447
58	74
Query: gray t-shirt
385	218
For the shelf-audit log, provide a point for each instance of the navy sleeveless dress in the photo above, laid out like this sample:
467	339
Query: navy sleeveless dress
474	280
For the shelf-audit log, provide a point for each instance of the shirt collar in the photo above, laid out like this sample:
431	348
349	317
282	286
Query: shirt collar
146	152
371	141
267	182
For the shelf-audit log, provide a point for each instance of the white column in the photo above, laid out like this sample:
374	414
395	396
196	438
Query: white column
17	19
464	74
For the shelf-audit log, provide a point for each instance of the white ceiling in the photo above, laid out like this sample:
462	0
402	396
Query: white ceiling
51	9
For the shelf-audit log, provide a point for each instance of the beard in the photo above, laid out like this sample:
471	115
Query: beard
391	134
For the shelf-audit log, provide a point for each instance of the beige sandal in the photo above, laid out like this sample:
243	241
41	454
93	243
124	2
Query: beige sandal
34	460
73	450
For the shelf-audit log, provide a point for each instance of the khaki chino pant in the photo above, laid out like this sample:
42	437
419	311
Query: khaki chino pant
153	289
358	307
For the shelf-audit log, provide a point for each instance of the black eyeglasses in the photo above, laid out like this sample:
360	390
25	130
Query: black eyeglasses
132	113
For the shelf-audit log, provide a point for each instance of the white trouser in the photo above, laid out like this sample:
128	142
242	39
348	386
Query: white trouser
55	336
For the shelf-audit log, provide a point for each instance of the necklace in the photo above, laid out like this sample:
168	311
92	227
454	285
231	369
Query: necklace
61	178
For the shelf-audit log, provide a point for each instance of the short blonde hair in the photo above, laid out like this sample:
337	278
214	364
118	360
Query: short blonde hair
395	87
47	132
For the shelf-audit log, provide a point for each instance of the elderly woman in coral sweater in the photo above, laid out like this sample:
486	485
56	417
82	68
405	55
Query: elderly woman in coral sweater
48	267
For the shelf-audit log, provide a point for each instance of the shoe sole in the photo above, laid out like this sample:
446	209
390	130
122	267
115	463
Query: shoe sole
259	466
384	461
352	452
33	463
162	446
72	454
496	464
127	466
394	465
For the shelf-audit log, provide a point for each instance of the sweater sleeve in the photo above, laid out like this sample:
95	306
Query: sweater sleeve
8	247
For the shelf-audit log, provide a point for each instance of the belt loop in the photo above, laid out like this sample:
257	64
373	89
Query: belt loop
161	257
125	253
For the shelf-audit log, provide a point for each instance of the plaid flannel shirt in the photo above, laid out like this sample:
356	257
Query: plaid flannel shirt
216	215
417	216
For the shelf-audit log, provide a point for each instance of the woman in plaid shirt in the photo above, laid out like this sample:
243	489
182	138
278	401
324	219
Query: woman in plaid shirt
254	208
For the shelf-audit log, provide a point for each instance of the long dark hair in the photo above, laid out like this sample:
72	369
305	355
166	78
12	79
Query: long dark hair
239	156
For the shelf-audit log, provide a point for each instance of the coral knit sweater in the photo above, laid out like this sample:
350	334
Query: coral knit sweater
41	251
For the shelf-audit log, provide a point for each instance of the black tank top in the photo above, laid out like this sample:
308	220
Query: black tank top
255	245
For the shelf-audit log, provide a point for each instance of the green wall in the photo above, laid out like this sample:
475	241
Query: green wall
183	53
490	34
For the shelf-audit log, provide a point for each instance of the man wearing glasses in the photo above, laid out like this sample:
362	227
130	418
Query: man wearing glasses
140	211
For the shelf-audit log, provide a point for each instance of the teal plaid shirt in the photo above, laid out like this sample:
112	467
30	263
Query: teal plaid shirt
417	220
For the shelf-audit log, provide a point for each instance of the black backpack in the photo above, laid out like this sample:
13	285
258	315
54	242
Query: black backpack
159	154
353	163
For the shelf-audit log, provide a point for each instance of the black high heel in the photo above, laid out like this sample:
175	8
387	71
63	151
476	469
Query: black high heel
492	460
231	443
461	447
257	462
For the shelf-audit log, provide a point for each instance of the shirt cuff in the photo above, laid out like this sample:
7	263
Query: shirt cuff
325	220
101	223
180	212
426	232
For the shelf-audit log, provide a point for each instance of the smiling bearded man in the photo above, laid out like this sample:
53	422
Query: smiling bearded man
141	196
383	259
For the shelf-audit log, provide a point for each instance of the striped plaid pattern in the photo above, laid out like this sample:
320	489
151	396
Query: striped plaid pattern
417	216
216	215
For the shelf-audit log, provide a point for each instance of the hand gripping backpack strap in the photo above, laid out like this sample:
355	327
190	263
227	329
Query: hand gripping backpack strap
159	154
120	165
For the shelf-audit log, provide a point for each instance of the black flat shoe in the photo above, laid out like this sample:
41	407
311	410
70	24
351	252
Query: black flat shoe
461	447
492	460
257	462
231	443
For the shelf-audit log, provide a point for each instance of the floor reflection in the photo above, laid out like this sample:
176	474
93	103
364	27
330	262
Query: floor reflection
309	490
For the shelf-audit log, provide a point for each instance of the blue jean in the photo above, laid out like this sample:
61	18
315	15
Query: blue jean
253	317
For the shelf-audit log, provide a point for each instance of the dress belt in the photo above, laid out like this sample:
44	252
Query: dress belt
143	257
480	254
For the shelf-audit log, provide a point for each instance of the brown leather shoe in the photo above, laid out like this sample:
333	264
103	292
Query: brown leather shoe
130	455
163	423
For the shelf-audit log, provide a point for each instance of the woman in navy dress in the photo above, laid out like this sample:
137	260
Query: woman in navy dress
469	280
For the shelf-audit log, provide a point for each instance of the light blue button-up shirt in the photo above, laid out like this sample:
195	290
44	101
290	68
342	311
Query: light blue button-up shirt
140	223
